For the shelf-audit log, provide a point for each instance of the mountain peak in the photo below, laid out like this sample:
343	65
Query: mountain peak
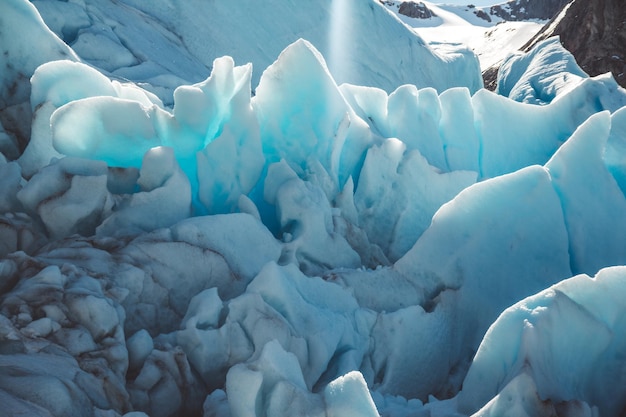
518	10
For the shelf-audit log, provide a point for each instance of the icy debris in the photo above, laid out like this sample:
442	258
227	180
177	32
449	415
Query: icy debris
204	310
230	235
348	396
406	365
194	255
75	183
10	183
70	345
216	405
395	223
7	144
139	346
270	385
74	314
166	385
276	304
19	233
40	328
8	274
164	192
305	215
520	398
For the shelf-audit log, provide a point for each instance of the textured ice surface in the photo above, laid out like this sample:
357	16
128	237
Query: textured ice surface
540	75
561	345
301	248
545	73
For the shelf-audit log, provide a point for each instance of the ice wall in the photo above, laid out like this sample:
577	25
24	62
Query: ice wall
225	141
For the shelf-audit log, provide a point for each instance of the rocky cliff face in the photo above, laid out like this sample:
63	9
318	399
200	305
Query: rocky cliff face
514	10
595	32
416	10
517	10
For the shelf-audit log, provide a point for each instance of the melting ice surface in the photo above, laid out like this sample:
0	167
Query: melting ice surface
312	250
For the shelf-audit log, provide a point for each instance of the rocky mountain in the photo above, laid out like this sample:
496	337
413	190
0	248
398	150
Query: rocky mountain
595	32
512	11
519	10
413	9
448	27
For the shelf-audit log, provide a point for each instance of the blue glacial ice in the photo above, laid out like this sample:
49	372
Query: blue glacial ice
554	352
270	243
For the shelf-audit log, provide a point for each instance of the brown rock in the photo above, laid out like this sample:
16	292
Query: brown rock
594	31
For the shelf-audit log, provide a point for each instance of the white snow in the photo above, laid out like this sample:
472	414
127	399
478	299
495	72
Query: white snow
456	27
271	243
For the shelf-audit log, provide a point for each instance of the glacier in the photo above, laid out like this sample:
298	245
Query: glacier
290	242
164	44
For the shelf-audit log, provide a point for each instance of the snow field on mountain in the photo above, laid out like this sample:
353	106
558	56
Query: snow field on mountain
456	27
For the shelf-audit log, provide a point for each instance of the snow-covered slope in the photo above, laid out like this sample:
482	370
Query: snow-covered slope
309	249
454	27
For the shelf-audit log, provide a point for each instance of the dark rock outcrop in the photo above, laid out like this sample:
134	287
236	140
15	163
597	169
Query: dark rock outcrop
481	13
595	32
490	77
416	10
518	10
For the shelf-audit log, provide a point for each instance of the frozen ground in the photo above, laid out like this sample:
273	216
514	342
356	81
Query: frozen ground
299	247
